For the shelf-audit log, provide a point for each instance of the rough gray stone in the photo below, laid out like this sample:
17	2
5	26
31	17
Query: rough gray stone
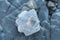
28	22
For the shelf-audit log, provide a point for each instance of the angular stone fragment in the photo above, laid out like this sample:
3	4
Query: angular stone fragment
32	4
43	14
55	19
17	3
9	26
51	4
45	24
25	8
28	22
55	26
56	15
4	7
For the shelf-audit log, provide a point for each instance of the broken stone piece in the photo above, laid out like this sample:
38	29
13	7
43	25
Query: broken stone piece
28	22
51	4
32	4
56	19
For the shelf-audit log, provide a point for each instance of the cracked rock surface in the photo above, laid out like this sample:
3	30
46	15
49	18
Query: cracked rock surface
47	12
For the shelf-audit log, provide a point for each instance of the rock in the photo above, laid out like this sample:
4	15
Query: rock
4	7
45	24
29	20
52	6
28	24
40	3
32	4
9	26
55	33
42	10
17	3
55	26
12	13
25	8
43	14
56	15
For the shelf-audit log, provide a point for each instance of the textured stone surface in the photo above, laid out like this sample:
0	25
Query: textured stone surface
28	22
55	25
49	19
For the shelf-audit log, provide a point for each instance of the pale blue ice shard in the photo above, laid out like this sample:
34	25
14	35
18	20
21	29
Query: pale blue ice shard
28	22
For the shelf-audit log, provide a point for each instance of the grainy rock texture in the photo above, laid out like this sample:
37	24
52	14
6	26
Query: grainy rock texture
47	11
